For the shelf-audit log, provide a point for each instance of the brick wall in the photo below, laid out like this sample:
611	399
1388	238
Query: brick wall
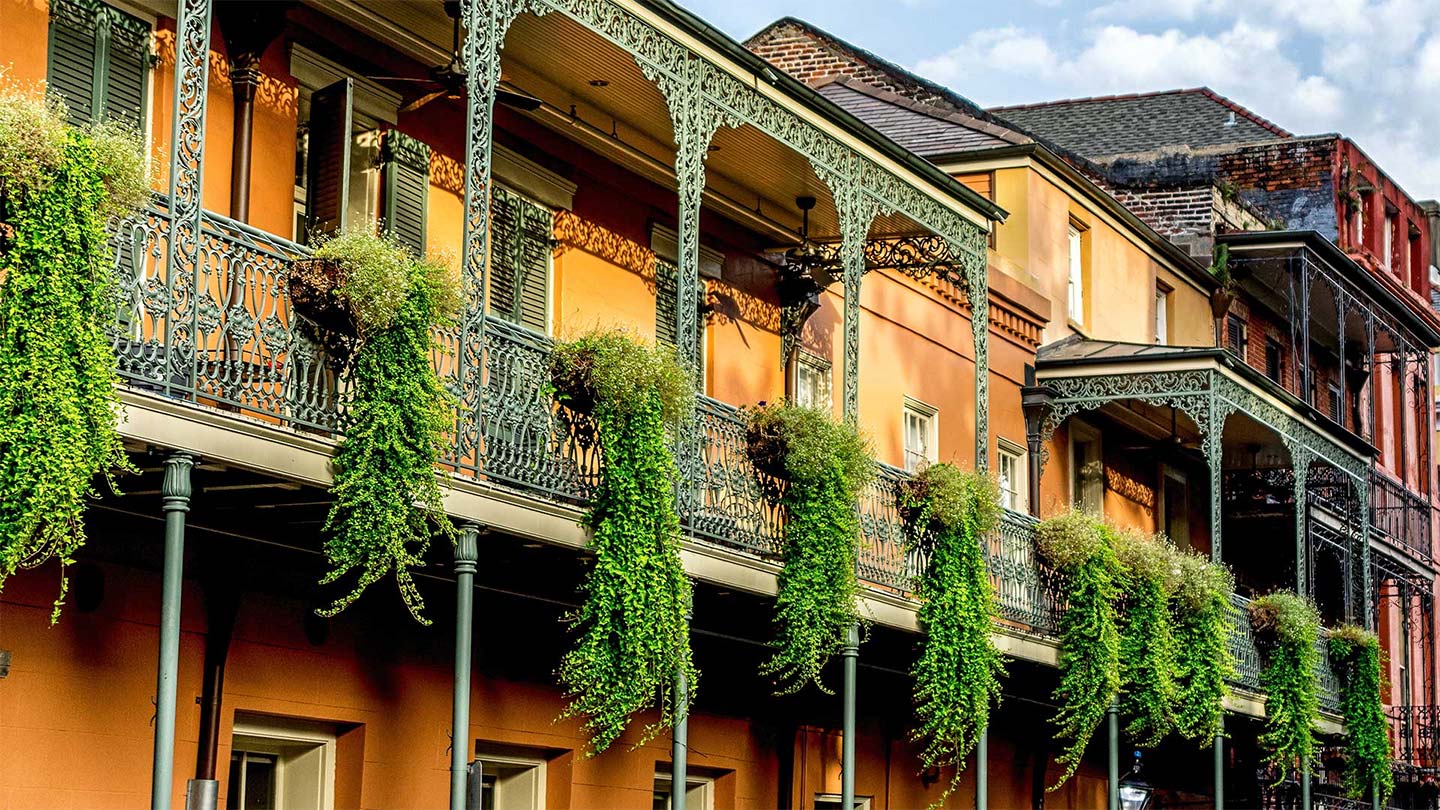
810	58
1171	212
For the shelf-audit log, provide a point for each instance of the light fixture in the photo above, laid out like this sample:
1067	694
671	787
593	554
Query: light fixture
1135	792
599	82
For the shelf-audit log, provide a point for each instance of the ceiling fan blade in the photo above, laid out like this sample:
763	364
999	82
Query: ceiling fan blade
518	100
422	101
400	79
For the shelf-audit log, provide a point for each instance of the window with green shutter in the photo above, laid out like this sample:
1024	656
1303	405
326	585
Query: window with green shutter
666	318
521	242
406	166
98	62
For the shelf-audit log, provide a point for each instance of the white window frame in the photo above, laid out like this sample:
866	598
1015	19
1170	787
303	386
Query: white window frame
1019	490
928	417
1083	431
861	802
1162	314
703	784
1075	281
255	733
808	362
1387	243
536	764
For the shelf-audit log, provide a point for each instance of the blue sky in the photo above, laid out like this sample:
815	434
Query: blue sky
1369	69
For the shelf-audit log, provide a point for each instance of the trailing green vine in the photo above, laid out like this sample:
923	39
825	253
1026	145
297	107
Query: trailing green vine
632	629
1355	654
387	500
1204	622
1080	547
825	465
1287	627
957	677
59	187
1148	655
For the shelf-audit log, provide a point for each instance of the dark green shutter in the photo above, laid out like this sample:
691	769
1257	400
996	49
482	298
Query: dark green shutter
328	181
407	187
666	312
98	61
521	234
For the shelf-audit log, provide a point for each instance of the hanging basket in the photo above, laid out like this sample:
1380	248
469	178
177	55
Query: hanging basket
314	292
1220	301
573	382
767	448
910	496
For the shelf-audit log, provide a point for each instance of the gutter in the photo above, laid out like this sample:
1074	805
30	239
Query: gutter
803	93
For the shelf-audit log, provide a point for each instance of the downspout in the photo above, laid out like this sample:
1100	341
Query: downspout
222	602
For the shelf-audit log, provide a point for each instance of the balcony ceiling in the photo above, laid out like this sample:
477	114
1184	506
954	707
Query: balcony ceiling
566	65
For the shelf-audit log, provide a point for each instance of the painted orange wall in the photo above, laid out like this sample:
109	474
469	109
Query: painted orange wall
26	27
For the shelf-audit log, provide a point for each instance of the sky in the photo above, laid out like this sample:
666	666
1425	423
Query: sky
1368	69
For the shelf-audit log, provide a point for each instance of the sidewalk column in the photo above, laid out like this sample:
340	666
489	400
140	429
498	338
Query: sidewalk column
175	501
467	553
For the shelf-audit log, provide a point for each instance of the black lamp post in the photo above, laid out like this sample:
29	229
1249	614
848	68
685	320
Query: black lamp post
1135	792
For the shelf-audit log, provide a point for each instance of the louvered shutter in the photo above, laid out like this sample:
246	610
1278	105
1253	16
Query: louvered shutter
521	232
328	170
127	58
666	313
73	71
98	61
407	188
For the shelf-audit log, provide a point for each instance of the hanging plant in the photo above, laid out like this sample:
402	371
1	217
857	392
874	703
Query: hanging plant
1203	619
59	187
824	464
1355	654
633	635
387	500
1148	655
1287	628
1080	547
957	678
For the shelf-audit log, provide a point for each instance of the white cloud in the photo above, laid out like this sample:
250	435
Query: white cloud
1367	68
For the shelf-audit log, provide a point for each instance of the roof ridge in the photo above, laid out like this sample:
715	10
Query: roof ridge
1224	101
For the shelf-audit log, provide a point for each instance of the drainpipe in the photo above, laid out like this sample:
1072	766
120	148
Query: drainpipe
248	29
1035	405
849	653
222	602
175	501
467	554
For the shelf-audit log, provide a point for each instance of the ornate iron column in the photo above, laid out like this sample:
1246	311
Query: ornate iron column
978	291
1035	405
1300	458
467	554
175	501
849	654
187	163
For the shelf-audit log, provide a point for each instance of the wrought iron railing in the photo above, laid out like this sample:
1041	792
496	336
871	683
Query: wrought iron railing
1248	660
1399	515
1415	737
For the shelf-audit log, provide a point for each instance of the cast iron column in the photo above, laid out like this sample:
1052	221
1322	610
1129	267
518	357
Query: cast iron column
982	776
467	553
175	501
1220	767
850	652
679	744
1112	722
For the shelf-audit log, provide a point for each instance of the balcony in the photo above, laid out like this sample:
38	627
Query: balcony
1400	516
1413	738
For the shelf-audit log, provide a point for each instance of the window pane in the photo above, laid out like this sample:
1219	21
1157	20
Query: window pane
259	782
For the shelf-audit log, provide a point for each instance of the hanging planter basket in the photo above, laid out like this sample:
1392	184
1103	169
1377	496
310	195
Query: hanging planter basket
767	448
1220	301
910	497
573	382
315	294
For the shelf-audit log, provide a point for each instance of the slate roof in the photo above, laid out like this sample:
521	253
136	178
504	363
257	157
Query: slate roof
1107	126
924	129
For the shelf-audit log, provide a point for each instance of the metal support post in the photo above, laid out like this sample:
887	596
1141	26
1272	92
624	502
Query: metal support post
175	501
982	773
1305	785
850	652
679	744
1112	722
1220	767
467	553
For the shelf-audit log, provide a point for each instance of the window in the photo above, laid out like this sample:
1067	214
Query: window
521	254
1162	313
699	792
1387	247
920	434
1176	507
1274	360
1334	402
1236	335
510	782
99	62
831	801
1075	294
1358	221
1087	469
281	764
1012	477
812	382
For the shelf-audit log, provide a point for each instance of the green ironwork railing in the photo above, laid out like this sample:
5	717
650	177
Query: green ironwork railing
227	337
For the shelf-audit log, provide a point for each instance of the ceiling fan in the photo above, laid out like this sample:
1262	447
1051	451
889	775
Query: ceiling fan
448	80
807	256
1172	442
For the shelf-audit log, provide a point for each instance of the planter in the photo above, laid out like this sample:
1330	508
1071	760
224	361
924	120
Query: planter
910	494
766	446
574	386
314	292
1220	301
